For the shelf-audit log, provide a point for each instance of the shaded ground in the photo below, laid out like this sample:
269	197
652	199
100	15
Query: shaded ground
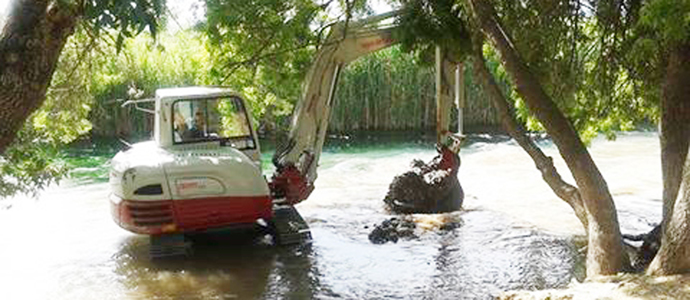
624	287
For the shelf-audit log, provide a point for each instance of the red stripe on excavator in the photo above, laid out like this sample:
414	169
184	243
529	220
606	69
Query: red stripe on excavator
171	216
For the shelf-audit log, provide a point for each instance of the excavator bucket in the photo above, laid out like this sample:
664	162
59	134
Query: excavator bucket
434	187
431	187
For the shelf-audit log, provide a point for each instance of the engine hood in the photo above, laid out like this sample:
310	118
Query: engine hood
185	172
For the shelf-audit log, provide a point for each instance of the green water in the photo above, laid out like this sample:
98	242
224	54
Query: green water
90	163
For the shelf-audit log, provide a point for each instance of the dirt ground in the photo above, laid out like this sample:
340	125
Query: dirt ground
619	287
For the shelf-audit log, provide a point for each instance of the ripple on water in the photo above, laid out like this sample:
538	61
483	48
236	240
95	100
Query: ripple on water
65	245
477	260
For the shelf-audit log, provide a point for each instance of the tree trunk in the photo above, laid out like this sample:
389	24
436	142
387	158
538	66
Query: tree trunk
604	252
544	164
674	255
30	45
675	125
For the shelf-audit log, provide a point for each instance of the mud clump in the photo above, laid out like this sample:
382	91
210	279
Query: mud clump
392	230
427	188
410	227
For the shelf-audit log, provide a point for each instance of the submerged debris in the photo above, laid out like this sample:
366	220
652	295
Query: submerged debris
407	227
427	188
641	257
392	229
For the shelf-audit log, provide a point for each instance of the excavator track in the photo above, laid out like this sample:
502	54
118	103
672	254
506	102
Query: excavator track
289	228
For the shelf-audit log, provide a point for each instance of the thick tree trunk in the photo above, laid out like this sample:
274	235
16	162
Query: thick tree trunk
674	255
604	252
544	164
675	125
30	45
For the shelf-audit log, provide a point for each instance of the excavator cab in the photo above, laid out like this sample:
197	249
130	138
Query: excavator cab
222	119
205	115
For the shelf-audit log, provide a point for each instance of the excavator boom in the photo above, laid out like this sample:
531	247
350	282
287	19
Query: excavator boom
297	161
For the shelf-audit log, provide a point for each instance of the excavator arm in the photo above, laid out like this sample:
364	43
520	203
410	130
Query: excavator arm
297	161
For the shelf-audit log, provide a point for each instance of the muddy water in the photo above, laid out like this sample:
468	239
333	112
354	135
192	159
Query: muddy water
514	234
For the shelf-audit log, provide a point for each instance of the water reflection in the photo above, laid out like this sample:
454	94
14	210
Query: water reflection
487	255
238	264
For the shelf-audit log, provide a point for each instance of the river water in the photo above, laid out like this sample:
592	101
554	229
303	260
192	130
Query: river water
514	234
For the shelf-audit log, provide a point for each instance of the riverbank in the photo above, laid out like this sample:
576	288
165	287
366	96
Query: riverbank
619	287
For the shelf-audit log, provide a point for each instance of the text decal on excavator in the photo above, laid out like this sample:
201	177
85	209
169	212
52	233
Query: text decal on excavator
198	186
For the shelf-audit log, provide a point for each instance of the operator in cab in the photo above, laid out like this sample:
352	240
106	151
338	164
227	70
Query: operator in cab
198	129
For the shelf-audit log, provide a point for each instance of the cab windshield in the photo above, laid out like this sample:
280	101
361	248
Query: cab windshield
200	120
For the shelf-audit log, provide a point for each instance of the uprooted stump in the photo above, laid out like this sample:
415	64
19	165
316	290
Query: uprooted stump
427	188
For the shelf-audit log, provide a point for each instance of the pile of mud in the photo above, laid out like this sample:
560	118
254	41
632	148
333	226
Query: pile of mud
426	188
